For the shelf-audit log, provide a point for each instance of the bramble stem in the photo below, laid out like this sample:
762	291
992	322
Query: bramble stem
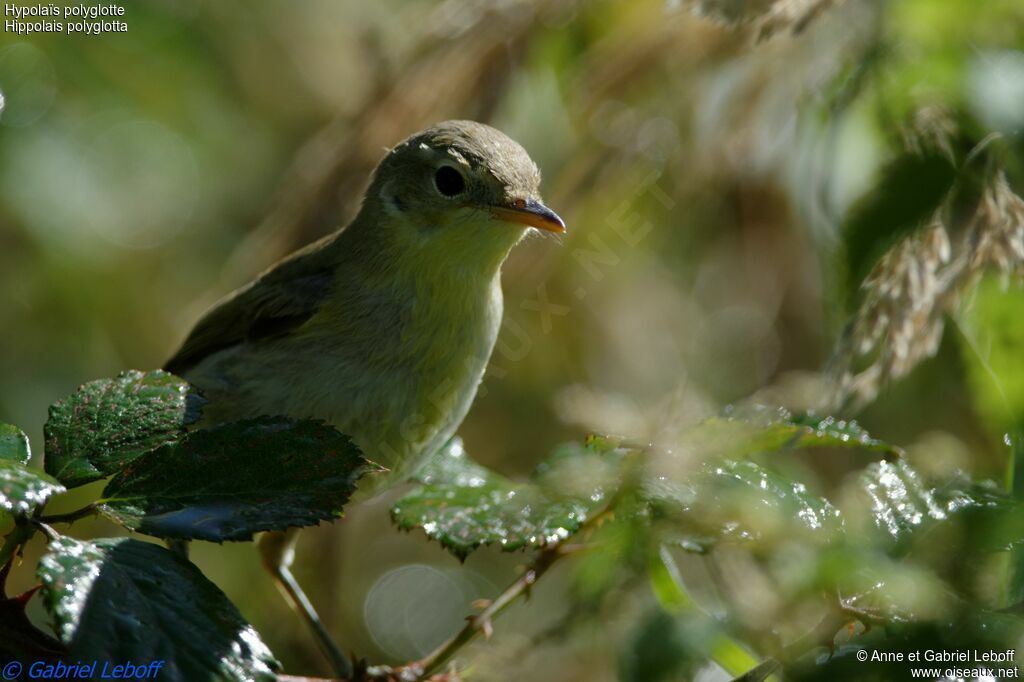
15	539
482	621
70	517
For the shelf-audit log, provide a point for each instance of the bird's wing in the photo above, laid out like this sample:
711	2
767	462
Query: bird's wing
281	299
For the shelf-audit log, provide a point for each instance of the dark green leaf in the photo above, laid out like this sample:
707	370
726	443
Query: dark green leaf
117	600
667	647
108	423
234	480
464	505
14	445
23	489
908	191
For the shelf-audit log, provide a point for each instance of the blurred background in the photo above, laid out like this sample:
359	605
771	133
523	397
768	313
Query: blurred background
705	156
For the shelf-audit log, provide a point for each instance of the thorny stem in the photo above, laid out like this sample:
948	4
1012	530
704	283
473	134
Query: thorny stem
25	528
50	533
482	621
69	517
15	539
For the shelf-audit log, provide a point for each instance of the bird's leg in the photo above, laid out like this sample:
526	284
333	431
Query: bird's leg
277	550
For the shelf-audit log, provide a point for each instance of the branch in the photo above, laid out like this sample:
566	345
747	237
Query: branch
481	623
69	517
12	542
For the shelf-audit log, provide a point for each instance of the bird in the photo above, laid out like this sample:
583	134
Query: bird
384	328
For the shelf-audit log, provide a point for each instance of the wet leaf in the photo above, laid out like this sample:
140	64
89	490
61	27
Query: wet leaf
766	430
901	502
226	483
463	505
729	497
741	500
108	423
14	445
116	600
23	489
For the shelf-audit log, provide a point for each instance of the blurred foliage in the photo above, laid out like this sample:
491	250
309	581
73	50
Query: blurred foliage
728	180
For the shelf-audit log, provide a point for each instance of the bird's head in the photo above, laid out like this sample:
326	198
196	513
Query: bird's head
459	190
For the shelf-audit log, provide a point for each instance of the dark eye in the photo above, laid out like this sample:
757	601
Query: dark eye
449	181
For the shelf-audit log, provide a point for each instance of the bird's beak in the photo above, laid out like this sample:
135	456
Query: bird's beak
530	212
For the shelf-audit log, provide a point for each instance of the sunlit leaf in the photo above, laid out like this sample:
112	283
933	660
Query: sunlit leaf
901	502
23	489
765	430
108	423
760	672
743	501
463	505
234	480
121	600
993	330
713	492
14	445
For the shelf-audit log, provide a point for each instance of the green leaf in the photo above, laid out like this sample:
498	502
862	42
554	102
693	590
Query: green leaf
226	483
993	329
729	497
118	600
668	588
23	489
907	193
14	445
108	423
766	430
743	501
667	647
901	502
760	672
463	505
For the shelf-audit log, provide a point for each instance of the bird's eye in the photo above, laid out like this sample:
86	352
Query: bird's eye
449	181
